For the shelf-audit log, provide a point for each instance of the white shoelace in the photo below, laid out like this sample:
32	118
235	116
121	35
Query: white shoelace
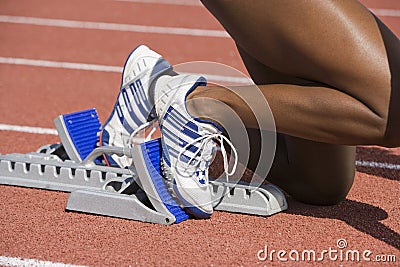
204	140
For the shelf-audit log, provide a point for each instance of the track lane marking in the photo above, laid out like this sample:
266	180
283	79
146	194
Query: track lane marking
386	12
379	165
27	129
113	26
59	64
166	2
12	261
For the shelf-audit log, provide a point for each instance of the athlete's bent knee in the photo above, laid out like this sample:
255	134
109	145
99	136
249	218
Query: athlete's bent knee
327	188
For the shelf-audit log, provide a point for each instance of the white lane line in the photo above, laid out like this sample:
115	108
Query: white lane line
58	64
386	12
94	67
49	131
166	2
113	26
380	165
27	129
10	261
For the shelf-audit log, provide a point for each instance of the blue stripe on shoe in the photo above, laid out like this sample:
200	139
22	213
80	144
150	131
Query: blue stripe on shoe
175	153
137	91
126	100
169	151
175	115
180	119
181	128
190	133
185	131
172	152
179	142
179	124
191	148
177	121
121	117
142	93
161	66
132	112
184	158
170	135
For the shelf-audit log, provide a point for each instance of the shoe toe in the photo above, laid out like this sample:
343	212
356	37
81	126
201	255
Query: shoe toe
196	200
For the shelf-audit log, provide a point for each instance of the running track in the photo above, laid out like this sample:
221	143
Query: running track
52	62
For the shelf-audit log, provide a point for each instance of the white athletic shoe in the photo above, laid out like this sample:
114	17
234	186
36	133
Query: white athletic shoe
134	103
188	144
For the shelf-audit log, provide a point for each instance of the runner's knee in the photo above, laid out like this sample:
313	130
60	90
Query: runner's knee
329	193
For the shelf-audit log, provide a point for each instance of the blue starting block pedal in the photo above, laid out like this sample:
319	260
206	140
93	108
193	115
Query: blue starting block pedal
78	133
146	158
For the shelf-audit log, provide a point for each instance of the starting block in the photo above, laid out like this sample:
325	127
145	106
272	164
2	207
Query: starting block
136	193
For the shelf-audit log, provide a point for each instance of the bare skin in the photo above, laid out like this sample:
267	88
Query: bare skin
329	71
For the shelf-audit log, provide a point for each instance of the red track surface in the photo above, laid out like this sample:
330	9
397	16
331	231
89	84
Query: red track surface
33	223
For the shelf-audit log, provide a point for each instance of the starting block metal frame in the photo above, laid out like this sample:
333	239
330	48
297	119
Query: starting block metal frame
137	193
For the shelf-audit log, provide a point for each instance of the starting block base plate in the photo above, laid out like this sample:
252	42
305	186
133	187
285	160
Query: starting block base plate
115	205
